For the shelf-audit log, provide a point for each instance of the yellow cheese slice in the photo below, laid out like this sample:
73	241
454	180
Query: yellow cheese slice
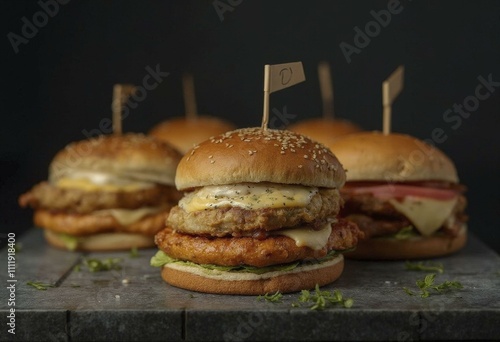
128	216
96	181
248	196
427	215
308	237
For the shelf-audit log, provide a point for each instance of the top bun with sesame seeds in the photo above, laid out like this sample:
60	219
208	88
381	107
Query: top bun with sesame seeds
259	155
130	155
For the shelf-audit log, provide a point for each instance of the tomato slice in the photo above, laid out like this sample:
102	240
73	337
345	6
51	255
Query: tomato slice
389	191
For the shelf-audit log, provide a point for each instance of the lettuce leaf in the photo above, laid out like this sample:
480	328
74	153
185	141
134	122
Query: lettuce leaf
71	242
405	233
160	259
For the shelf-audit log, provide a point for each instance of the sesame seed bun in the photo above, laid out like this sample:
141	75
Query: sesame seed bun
324	130
257	155
221	282
129	155
184	133
373	156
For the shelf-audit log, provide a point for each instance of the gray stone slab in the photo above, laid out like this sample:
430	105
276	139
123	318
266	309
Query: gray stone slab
135	304
125	325
36	325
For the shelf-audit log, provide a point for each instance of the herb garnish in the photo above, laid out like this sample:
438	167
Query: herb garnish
39	285
428	283
321	299
134	253
273	298
96	265
427	267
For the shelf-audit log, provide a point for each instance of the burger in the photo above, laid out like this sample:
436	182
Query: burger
258	216
404	194
325	130
108	193
183	133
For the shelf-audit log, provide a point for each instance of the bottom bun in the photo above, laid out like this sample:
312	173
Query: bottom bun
412	248
221	282
100	242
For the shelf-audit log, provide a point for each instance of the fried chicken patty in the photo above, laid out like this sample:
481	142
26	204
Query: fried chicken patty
376	217
236	251
47	196
83	224
237	221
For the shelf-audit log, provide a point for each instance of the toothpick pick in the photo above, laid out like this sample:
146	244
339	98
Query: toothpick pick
267	86
277	77
121	93
391	88
189	96
326	87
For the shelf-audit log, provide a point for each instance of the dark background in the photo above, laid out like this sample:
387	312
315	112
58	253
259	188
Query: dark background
60	82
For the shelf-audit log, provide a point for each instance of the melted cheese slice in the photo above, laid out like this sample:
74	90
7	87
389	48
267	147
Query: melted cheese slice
307	237
127	216
96	181
248	196
426	214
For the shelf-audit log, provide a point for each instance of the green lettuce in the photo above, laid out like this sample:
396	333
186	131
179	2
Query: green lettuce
71	242
160	259
405	233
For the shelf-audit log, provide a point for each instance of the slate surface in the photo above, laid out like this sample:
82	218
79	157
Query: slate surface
134	304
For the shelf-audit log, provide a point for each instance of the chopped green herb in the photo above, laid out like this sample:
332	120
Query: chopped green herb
96	265
134	253
77	268
39	285
427	284
427	267
321	299
273	298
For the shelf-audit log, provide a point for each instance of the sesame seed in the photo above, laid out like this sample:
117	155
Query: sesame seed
210	157
212	161
282	152
300	166
305	156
